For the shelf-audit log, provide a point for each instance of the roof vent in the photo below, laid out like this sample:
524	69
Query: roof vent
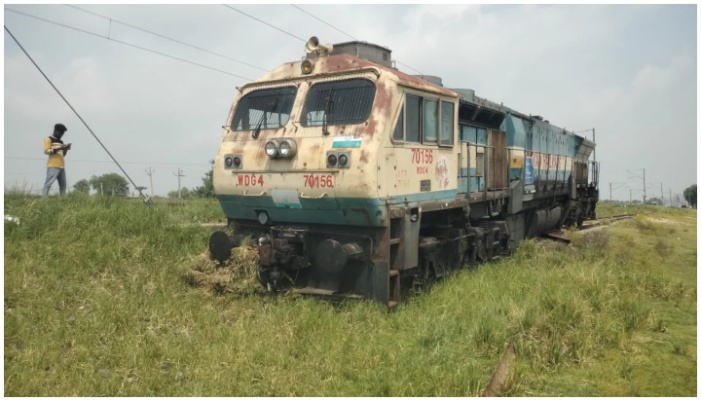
368	51
431	78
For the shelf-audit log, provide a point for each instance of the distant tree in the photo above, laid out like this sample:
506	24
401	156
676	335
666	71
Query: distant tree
654	201
184	193
110	184
690	195
82	186
206	190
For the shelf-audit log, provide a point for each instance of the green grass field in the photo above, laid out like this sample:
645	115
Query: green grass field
98	301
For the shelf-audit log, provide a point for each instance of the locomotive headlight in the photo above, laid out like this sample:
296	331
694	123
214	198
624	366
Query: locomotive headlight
271	149
288	148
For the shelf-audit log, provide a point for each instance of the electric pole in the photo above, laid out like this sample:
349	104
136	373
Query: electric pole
670	198
610	191
150	176
661	195
593	133
644	193
180	174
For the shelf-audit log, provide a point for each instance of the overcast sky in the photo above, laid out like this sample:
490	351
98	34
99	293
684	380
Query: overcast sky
628	71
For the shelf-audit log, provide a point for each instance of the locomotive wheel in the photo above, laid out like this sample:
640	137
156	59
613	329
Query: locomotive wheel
423	282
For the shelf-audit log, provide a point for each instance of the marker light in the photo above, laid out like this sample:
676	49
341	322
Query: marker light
332	160
342	160
228	161
271	149
237	161
306	67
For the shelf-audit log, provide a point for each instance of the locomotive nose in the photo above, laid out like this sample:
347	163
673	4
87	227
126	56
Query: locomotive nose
331	256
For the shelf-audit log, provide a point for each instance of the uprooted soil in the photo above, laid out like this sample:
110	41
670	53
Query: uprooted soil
236	276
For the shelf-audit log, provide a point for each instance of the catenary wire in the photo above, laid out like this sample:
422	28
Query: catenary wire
352	37
263	22
146	198
321	20
165	37
125	43
128	162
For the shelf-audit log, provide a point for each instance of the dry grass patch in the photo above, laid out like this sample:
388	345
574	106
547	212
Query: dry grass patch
237	276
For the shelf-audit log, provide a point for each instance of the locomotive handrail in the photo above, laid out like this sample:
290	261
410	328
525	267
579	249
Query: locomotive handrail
323	195
244	193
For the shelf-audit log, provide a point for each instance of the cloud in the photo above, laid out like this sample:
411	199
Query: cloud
656	77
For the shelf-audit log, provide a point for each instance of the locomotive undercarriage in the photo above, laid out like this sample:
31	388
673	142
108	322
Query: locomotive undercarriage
417	246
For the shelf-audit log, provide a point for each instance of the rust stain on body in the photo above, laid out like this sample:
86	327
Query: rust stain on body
364	156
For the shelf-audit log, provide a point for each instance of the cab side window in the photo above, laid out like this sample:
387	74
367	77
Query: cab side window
425	120
447	115
413	118
430	114
398	134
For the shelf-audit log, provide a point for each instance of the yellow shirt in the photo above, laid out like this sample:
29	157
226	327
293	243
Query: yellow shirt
55	157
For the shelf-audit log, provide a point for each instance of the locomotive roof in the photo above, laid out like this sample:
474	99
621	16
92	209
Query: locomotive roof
492	113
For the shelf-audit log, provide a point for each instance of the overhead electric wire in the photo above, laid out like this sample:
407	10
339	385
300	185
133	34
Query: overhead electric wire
263	22
126	43
146	198
165	37
321	20
107	161
352	37
409	67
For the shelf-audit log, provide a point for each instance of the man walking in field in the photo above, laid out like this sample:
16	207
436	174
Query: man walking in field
54	147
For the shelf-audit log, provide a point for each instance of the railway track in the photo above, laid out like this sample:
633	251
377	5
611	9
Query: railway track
561	236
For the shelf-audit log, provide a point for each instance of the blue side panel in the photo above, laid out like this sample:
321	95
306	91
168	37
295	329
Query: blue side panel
476	184
515	131
528	173
515	173
337	211
415	199
468	182
344	211
473	134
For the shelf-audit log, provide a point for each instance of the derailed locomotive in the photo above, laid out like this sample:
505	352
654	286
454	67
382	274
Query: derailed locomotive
356	179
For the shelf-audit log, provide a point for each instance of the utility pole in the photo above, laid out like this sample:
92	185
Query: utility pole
644	193
593	132
661	195
670	198
631	196
150	176
180	174
610	191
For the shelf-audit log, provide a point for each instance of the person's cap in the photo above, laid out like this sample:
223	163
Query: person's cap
60	128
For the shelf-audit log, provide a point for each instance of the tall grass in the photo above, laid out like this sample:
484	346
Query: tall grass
98	302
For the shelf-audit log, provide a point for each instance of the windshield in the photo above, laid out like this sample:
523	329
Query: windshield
338	102
264	109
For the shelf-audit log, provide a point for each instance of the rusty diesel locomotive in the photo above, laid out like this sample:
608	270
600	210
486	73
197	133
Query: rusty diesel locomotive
356	179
